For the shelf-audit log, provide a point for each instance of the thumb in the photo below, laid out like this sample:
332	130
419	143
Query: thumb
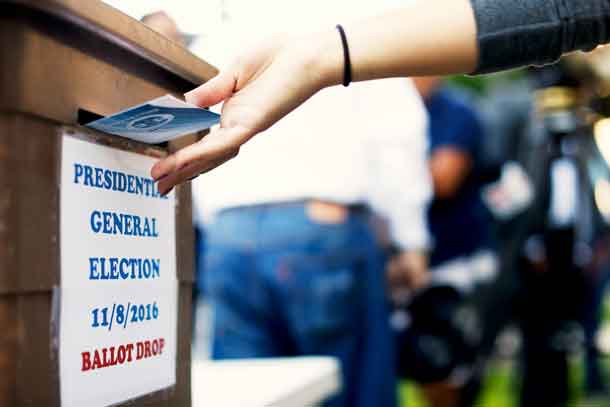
214	91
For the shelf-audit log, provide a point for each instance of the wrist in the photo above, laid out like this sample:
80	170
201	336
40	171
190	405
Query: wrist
323	58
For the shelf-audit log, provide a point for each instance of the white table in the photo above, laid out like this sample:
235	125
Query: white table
293	382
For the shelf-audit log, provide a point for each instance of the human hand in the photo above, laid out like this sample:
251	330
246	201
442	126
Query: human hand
273	79
408	270
258	89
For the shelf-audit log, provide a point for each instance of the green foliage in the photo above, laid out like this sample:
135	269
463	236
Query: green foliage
498	390
479	85
501	388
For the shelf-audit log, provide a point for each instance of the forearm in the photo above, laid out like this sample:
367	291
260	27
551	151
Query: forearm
449	167
415	40
436	37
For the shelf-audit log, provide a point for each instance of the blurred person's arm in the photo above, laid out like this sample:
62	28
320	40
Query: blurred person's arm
408	269
431	37
449	167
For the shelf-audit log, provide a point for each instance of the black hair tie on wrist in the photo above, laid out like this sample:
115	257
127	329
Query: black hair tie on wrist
347	69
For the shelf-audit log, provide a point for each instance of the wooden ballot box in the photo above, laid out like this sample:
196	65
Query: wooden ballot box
93	310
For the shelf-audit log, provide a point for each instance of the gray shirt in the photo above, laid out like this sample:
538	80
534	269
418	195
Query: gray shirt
514	33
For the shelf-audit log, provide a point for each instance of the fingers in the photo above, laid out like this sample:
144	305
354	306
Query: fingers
216	144
211	151
190	172
214	91
404	272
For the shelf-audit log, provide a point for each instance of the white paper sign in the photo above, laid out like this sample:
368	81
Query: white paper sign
118	277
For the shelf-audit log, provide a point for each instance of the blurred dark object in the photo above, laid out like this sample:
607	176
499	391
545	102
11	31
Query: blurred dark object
546	250
437	343
561	222
597	278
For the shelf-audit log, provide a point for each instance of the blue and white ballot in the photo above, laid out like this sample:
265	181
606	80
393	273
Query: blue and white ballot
158	120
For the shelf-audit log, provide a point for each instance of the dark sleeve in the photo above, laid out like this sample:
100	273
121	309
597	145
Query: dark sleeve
514	33
457	127
463	134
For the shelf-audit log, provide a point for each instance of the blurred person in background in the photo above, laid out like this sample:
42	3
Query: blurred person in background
162	23
292	264
460	224
463	249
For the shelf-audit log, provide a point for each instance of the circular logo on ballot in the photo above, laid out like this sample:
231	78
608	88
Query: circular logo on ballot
150	122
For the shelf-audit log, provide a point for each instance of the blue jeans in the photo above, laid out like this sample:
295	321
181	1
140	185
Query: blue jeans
283	285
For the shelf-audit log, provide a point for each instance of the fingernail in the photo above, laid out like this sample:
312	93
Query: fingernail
157	177
188	96
154	172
